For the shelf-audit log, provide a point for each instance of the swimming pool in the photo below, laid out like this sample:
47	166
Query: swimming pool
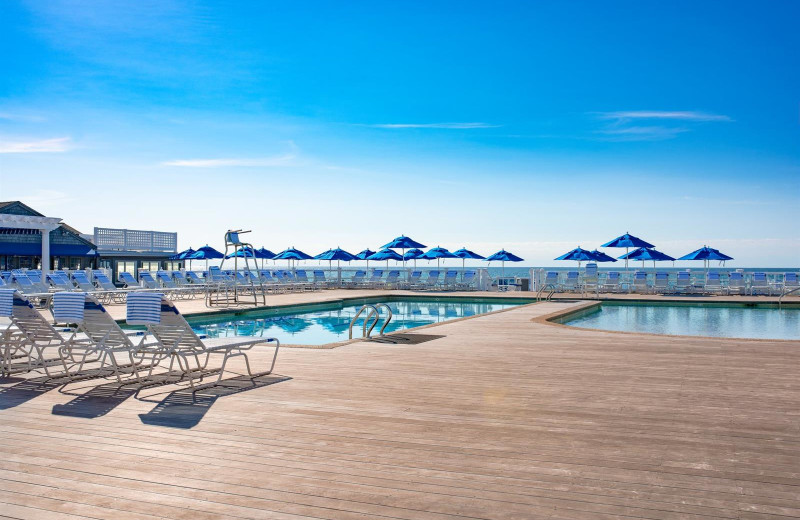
759	321
319	324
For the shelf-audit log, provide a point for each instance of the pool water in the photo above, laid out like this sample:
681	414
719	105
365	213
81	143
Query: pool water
329	323
726	321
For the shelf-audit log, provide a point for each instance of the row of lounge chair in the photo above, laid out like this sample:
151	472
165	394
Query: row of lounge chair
86	342
660	283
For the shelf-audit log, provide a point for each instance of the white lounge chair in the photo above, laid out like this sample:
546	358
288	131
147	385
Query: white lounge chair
467	282
180	343
590	277
450	279
760	284
571	282
661	282
640	282
713	283
612	282
683	283
736	283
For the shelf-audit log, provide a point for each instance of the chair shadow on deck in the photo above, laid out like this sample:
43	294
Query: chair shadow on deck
25	390
185	408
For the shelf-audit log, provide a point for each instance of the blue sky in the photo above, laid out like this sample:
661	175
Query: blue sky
535	126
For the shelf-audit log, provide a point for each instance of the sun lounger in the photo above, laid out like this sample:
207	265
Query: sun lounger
684	282
413	280
128	280
60	281
28	285
640	282
551	279
713	284
661	283
590	277
31	342
320	281
392	280
106	343
194	279
146	277
790	282
181	344
760	284
612	282
736	283
467	282
376	280
571	282
432	281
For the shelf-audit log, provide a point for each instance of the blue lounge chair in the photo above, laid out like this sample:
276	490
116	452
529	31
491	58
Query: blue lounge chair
128	280
661	283
713	283
612	282
640	282
760	284
736	283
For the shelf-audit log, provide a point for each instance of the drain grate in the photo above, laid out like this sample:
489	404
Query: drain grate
405	339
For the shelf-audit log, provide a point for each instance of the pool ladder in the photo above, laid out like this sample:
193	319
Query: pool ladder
374	315
780	300
541	290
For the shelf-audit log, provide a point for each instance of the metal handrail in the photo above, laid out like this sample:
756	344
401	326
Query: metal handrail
549	295
374	315
783	293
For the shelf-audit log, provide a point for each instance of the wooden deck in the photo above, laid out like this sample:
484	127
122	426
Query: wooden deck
496	417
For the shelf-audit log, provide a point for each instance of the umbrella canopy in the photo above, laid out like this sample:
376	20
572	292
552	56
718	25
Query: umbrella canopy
402	242
578	254
292	254
265	254
467	254
627	240
647	253
365	254
183	255
413	254
504	256
706	253
336	254
242	252
206	253
436	253
600	256
385	254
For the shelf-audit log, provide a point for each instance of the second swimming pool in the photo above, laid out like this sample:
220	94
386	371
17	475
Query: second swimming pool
319	324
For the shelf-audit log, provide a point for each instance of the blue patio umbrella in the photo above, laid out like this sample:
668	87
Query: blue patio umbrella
364	255
292	254
184	255
706	254
403	242
242	252
413	254
338	254
578	255
264	254
648	253
206	253
504	256
464	254
386	254
437	253
600	256
628	241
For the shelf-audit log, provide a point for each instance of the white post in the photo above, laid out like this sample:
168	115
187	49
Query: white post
45	254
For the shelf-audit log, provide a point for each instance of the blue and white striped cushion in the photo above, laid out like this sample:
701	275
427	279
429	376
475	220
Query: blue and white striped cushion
144	308
68	307
6	302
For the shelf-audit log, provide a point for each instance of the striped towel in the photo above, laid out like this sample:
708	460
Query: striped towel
68	307
6	302
144	308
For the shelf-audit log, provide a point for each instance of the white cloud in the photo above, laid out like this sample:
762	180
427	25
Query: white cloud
642	133
682	115
448	126
267	162
59	144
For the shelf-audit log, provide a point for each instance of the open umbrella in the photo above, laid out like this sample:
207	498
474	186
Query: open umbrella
413	254
338	254
504	256
648	253
264	254
578	255
364	255
465	254
600	256
206	253
184	255
706	254
403	242
437	253
628	241
386	254
292	254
